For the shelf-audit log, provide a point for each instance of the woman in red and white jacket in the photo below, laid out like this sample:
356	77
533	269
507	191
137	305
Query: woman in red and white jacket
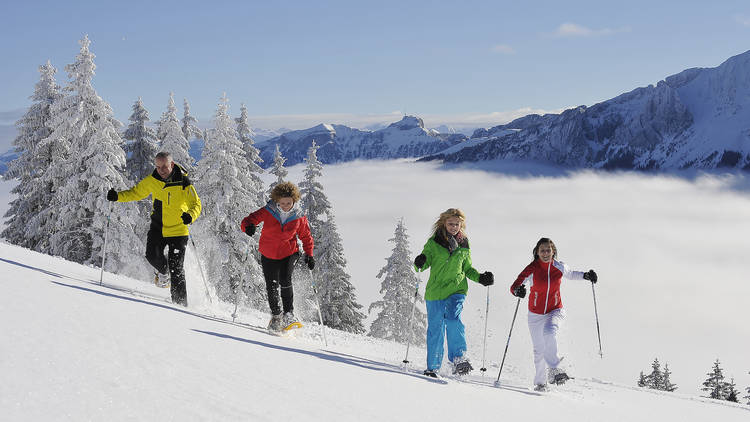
283	222
544	276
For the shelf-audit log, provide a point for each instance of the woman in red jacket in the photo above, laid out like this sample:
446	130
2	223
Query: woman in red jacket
544	276
283	222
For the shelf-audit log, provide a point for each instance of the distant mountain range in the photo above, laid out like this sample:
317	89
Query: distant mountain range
405	138
698	119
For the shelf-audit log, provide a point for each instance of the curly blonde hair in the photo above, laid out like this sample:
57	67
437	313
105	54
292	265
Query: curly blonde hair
285	190
439	226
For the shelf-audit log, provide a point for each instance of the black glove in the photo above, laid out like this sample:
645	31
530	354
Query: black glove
186	218
420	260
250	229
310	261
486	279
591	276
112	195
520	291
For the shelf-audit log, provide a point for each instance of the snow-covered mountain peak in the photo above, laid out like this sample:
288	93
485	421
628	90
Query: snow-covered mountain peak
408	122
405	138
698	118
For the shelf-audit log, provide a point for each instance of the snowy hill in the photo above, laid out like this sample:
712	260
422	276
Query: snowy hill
74	350
699	118
405	138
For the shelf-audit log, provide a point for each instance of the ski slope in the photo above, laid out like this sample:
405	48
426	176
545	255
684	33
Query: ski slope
73	350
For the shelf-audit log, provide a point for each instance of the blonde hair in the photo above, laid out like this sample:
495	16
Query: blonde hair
439	226
285	190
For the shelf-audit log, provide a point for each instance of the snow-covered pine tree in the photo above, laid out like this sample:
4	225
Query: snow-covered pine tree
714	385
277	170
748	394
655	379
338	303
34	158
666	383
398	287
95	163
140	152
730	391
172	139
642	380
252	156
227	194
142	147
190	128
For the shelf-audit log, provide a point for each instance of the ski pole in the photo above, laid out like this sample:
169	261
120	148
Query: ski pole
497	382
104	252
411	321
242	284
198	258
598	334
317	301
484	347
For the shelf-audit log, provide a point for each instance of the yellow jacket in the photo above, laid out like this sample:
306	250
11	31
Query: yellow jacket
170	198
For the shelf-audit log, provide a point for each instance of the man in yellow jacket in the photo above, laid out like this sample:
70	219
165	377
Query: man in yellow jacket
175	206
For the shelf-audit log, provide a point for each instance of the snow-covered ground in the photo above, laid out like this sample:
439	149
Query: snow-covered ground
669	252
74	350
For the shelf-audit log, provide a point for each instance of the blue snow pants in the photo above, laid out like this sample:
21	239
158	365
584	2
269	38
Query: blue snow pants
444	317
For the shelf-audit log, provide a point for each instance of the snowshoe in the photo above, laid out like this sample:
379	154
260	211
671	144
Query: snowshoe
561	378
289	321
161	280
275	324
541	388
558	376
430	373
461	366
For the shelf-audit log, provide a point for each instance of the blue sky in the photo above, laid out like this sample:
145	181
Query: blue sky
332	59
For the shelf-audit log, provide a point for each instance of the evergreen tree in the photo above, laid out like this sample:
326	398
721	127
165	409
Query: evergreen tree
227	193
95	162
277	169
142	147
666	382
252	156
34	158
172	139
398	289
141	151
190	128
730	391
748	394
642	380
339	307
655	378
715	385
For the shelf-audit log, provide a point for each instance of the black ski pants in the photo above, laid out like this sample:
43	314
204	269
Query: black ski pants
278	273
174	261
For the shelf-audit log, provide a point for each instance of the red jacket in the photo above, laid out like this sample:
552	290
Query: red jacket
278	241
545	280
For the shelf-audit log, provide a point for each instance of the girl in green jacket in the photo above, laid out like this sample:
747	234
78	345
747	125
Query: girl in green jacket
447	255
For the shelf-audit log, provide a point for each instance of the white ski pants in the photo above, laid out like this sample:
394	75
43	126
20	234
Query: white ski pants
543	330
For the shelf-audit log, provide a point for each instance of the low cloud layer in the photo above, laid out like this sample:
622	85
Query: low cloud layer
670	254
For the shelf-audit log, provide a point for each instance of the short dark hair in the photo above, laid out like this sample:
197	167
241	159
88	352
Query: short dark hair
164	155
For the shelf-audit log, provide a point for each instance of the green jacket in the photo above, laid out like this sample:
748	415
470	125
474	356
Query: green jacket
448	270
